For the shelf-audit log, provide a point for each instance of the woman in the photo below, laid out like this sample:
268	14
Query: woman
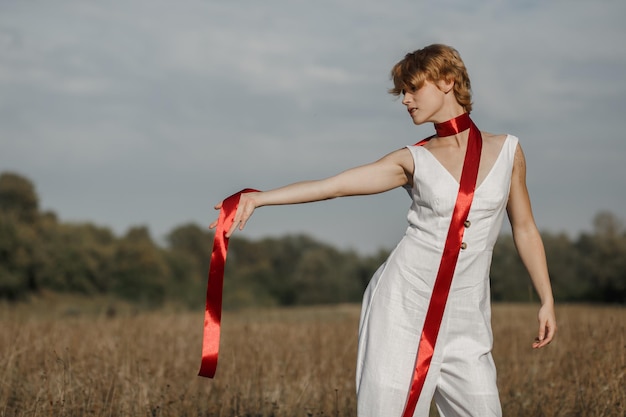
425	328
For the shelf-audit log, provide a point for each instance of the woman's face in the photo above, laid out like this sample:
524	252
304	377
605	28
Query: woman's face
425	103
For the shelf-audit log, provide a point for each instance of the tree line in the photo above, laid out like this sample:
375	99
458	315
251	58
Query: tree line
38	253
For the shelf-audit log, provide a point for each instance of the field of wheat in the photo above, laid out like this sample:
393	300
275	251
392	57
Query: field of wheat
87	361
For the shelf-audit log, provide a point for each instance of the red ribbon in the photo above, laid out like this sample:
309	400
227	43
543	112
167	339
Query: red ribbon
213	306
441	289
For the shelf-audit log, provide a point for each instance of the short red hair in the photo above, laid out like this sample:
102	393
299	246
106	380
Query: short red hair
433	63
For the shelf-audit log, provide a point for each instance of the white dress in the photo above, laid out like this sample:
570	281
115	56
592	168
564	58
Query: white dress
462	375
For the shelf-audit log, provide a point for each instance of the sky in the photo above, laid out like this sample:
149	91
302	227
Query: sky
149	112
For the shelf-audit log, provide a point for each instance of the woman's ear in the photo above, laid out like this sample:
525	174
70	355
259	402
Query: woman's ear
445	85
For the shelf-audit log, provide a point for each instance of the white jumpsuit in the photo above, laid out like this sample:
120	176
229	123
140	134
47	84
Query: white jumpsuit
462	375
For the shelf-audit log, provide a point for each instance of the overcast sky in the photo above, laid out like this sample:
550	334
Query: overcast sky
149	112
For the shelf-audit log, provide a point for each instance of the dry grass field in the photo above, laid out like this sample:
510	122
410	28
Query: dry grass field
56	361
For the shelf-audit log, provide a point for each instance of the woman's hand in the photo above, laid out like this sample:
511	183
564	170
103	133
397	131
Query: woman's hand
246	207
547	326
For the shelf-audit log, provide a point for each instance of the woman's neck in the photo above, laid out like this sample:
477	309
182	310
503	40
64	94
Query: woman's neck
453	126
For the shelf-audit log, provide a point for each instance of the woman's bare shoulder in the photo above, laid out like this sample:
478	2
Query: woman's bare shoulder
494	138
493	142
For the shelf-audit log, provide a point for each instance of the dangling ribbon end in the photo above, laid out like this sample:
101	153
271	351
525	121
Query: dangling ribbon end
207	373
213	306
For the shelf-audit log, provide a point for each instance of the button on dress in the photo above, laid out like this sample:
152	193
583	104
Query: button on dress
462	375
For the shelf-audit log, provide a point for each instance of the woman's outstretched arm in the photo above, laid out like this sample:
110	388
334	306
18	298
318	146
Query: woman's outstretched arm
530	248
391	171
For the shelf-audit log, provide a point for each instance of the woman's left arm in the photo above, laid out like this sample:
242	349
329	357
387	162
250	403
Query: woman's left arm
530	248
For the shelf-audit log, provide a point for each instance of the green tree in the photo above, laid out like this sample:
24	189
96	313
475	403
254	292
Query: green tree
75	257
325	275
194	241
18	248
509	279
140	270
188	258
603	262
564	265
17	195
251	278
